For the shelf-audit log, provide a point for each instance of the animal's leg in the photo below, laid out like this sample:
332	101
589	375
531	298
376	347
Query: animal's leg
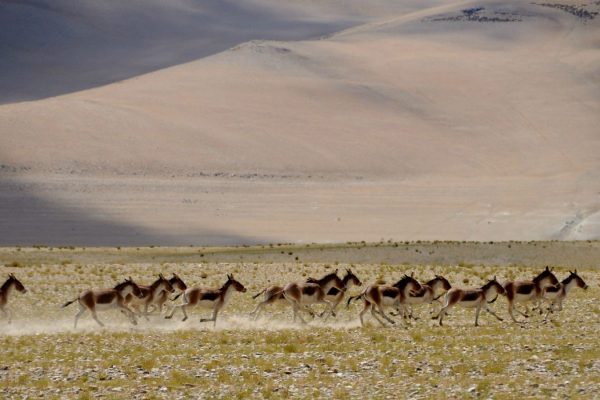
297	314
8	312
374	314
183	307
477	311
4	312
493	313
329	305
442	313
511	308
213	318
172	312
78	315
146	312
364	310
256	310
525	314
130	314
95	316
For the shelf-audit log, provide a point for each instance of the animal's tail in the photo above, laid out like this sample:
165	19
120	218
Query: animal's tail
491	301
437	298
351	299
259	293
176	297
68	303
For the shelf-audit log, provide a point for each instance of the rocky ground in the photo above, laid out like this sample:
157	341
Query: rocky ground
43	356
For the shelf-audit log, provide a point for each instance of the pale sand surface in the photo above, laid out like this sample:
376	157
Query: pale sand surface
416	124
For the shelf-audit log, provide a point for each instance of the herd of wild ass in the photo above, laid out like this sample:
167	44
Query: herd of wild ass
135	300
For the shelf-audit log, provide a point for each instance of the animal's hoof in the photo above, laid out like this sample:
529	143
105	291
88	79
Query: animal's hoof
333	314
184	318
168	316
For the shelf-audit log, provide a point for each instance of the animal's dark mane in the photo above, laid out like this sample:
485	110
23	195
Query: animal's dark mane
7	284
122	285
401	284
157	282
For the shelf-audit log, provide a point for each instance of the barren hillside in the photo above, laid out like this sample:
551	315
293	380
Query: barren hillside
472	120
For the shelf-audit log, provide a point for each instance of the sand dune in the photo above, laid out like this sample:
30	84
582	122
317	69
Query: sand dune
470	121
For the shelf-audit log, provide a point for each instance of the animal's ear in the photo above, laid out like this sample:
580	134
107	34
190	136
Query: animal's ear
412	274
336	271
547	269
494	277
130	279
575	271
230	277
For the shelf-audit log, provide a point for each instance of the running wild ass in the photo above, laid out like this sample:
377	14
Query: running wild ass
473	298
300	295
525	291
215	299
178	284
107	299
274	293
335	295
556	294
5	290
427	294
378	297
150	295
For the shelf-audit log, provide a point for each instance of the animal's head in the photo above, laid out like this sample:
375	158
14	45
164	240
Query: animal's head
440	281
164	283
351	279
236	285
493	283
177	282
129	286
18	285
546	278
408	283
580	282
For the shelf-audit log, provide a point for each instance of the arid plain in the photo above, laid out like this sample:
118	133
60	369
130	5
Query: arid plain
42	355
277	141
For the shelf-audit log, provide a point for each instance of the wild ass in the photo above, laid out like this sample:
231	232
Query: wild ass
525	291
178	284
335	295
150	295
427	294
475	298
107	299
300	295
208	298
5	290
556	294
378	297
274	293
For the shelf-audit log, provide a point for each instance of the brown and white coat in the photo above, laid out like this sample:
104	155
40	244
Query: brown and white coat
473	298
528	291
558	293
106	299
301	295
150	295
379	297
214	299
